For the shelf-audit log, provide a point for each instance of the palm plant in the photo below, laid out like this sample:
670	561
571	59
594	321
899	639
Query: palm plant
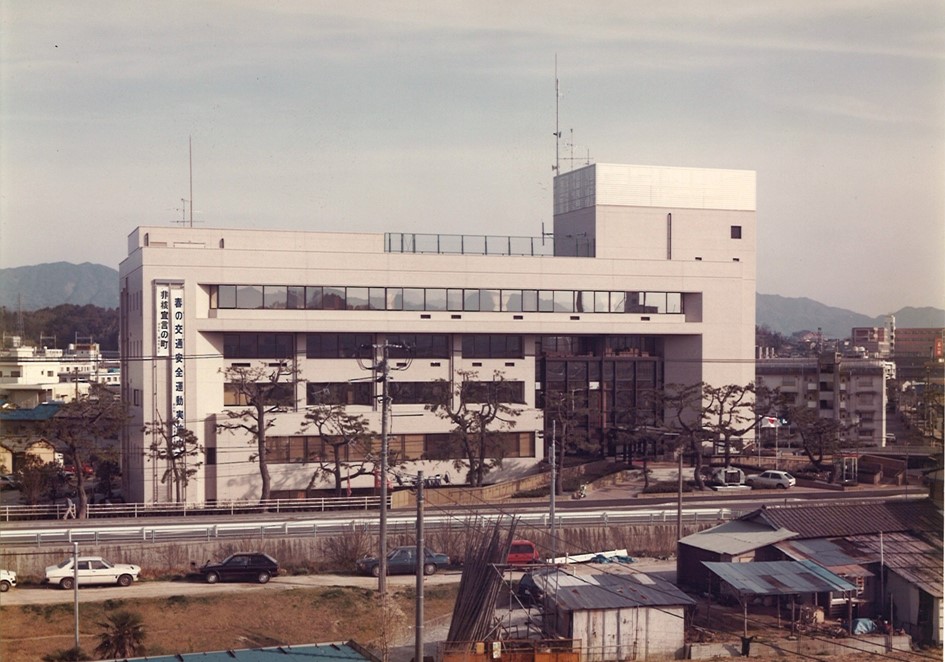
123	635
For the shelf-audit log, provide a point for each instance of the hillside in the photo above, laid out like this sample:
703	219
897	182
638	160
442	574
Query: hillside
49	285
788	315
56	283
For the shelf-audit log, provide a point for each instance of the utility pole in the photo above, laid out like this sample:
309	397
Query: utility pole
383	366
679	453
554	488
421	561
382	531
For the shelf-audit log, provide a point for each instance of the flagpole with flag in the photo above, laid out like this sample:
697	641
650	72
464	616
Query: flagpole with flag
773	422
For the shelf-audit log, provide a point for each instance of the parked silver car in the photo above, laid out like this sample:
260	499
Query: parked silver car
778	479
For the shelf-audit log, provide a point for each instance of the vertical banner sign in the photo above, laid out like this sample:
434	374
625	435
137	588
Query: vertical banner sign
169	330
162	327
178	416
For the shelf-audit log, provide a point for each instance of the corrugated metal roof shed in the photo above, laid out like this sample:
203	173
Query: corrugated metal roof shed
306	653
851	519
609	586
780	578
736	537
917	561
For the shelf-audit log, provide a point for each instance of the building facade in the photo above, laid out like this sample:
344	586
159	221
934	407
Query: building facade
31	376
649	279
851	391
877	342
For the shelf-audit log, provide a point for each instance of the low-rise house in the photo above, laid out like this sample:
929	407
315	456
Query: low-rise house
616	613
847	539
21	435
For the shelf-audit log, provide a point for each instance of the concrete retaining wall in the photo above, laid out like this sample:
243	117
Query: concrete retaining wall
338	552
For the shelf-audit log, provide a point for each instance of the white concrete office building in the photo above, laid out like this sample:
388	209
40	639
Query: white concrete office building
649	279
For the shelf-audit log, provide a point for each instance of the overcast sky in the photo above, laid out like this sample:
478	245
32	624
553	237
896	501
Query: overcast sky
439	117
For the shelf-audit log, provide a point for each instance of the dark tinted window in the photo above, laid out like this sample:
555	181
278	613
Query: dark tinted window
419	345
338	345
258	345
492	346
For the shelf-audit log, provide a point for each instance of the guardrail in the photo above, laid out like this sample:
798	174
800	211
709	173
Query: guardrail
100	533
13	513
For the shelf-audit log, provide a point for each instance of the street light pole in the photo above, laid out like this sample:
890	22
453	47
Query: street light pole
421	561
75	589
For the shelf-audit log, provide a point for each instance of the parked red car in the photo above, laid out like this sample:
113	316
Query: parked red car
87	470
522	552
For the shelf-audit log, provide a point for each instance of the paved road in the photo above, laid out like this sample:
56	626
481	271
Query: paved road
40	595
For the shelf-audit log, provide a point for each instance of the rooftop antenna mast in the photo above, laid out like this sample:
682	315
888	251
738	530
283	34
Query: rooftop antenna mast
190	164
557	166
187	205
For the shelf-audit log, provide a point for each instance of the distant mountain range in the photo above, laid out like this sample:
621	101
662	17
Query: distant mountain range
789	315
49	285
55	283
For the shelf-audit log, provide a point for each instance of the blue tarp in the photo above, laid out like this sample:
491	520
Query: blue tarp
600	558
863	626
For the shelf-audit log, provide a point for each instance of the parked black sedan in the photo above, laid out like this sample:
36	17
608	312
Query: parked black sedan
242	566
403	561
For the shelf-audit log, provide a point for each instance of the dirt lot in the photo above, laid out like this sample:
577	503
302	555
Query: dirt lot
219	621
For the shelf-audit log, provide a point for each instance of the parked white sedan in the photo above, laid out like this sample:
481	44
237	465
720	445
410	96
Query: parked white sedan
92	570
7	580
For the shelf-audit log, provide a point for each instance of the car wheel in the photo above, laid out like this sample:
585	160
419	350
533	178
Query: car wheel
4	586
429	568
376	571
263	577
782	486
125	580
66	583
212	578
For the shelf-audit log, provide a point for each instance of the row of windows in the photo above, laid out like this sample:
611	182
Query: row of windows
613	345
404	447
253	345
362	393
297	297
644	372
353	345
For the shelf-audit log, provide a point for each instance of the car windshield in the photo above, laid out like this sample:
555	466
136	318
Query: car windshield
65	564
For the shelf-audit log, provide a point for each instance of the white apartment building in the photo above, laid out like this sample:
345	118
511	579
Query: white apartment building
649	279
851	391
30	376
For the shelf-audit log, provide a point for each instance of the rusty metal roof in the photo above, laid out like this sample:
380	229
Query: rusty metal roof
831	554
851	519
917	561
780	578
610	586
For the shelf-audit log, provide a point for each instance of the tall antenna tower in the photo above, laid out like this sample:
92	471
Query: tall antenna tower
190	166
20	326
557	166
187	204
